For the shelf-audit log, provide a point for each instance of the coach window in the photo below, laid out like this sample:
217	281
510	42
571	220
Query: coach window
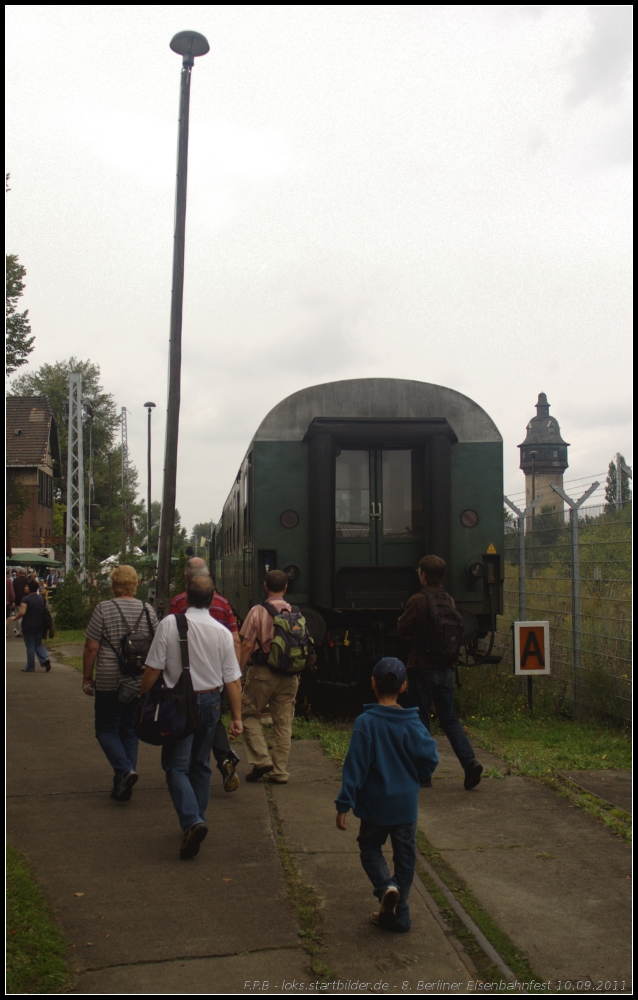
352	495
402	494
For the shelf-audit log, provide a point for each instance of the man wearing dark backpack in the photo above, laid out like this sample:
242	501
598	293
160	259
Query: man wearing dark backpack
115	691
272	677
430	619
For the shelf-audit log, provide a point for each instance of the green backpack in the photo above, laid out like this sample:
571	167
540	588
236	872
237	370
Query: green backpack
292	649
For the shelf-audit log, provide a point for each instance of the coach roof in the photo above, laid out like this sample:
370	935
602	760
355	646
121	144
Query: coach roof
377	398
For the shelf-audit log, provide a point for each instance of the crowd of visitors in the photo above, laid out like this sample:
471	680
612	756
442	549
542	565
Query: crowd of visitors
130	656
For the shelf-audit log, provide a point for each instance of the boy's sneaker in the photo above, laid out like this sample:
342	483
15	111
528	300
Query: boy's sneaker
192	840
473	773
230	778
386	917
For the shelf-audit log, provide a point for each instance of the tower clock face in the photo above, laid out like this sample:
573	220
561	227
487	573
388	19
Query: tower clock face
469	519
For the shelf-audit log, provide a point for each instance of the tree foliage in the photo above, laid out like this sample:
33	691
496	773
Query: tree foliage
115	497
611	486
19	341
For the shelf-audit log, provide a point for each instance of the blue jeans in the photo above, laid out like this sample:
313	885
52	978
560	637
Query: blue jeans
115	731
437	685
187	764
403	839
33	642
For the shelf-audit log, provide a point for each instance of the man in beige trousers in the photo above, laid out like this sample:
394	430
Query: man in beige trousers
265	687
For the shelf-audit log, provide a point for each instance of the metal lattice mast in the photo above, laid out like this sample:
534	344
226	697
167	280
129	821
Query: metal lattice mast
124	479
75	555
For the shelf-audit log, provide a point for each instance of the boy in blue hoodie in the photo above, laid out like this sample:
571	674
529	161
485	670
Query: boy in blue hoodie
390	755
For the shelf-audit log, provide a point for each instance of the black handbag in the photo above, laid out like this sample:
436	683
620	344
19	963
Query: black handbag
167	714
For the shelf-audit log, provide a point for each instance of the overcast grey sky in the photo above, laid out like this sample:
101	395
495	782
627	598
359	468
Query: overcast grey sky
436	192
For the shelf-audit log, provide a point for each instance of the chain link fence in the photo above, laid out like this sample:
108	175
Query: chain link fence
583	588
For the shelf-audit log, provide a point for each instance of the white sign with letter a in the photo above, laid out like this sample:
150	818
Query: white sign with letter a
531	648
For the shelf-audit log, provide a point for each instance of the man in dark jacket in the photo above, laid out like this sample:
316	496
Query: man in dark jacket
389	757
431	682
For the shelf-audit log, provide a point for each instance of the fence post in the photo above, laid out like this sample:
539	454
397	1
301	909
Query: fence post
574	506
522	587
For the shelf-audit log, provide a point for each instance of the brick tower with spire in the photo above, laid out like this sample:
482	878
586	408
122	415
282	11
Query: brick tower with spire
543	456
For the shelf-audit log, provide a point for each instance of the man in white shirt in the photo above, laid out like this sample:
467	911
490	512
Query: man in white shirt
213	664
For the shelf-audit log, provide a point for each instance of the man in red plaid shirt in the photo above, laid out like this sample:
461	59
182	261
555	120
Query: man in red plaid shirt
222	612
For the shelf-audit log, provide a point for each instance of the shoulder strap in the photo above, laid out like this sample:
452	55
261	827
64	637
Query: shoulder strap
269	608
148	620
182	628
126	624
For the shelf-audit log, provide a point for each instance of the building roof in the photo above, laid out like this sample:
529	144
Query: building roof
543	429
31	426
381	399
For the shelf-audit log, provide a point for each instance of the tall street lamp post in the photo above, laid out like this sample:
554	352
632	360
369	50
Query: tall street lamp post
149	523
187	44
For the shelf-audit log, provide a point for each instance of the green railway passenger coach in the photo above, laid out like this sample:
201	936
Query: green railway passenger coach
345	486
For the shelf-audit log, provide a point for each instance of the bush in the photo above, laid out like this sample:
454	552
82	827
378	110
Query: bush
73	605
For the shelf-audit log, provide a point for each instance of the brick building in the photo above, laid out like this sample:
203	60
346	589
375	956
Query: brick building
33	457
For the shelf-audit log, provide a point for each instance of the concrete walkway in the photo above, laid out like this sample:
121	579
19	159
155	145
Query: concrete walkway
553	877
141	921
137	918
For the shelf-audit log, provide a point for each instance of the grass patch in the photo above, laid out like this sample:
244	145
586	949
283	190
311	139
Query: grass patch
333	736
304	899
511	955
36	949
540	748
67	637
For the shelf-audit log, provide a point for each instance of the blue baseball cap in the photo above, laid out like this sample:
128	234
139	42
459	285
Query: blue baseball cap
390	665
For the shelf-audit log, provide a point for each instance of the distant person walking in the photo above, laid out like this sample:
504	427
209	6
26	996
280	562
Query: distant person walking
213	665
31	612
265	687
11	597
390	755
431	681
220	609
115	696
19	588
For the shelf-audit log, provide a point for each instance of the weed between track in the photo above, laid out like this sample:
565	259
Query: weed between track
505	947
36	949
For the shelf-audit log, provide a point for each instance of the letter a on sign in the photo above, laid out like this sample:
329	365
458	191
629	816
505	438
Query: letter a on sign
531	648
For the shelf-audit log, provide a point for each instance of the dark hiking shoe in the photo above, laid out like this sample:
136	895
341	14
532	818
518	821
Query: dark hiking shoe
230	778
124	786
259	772
47	665
192	840
426	783
390	900
473	774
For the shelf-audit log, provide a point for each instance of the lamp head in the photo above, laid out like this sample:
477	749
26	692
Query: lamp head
149	406
189	44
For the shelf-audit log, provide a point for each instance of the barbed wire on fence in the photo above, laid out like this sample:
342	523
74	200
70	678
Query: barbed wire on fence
590	646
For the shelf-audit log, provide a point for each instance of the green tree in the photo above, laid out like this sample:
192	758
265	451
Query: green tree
611	485
19	343
117	500
141	528
71	608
